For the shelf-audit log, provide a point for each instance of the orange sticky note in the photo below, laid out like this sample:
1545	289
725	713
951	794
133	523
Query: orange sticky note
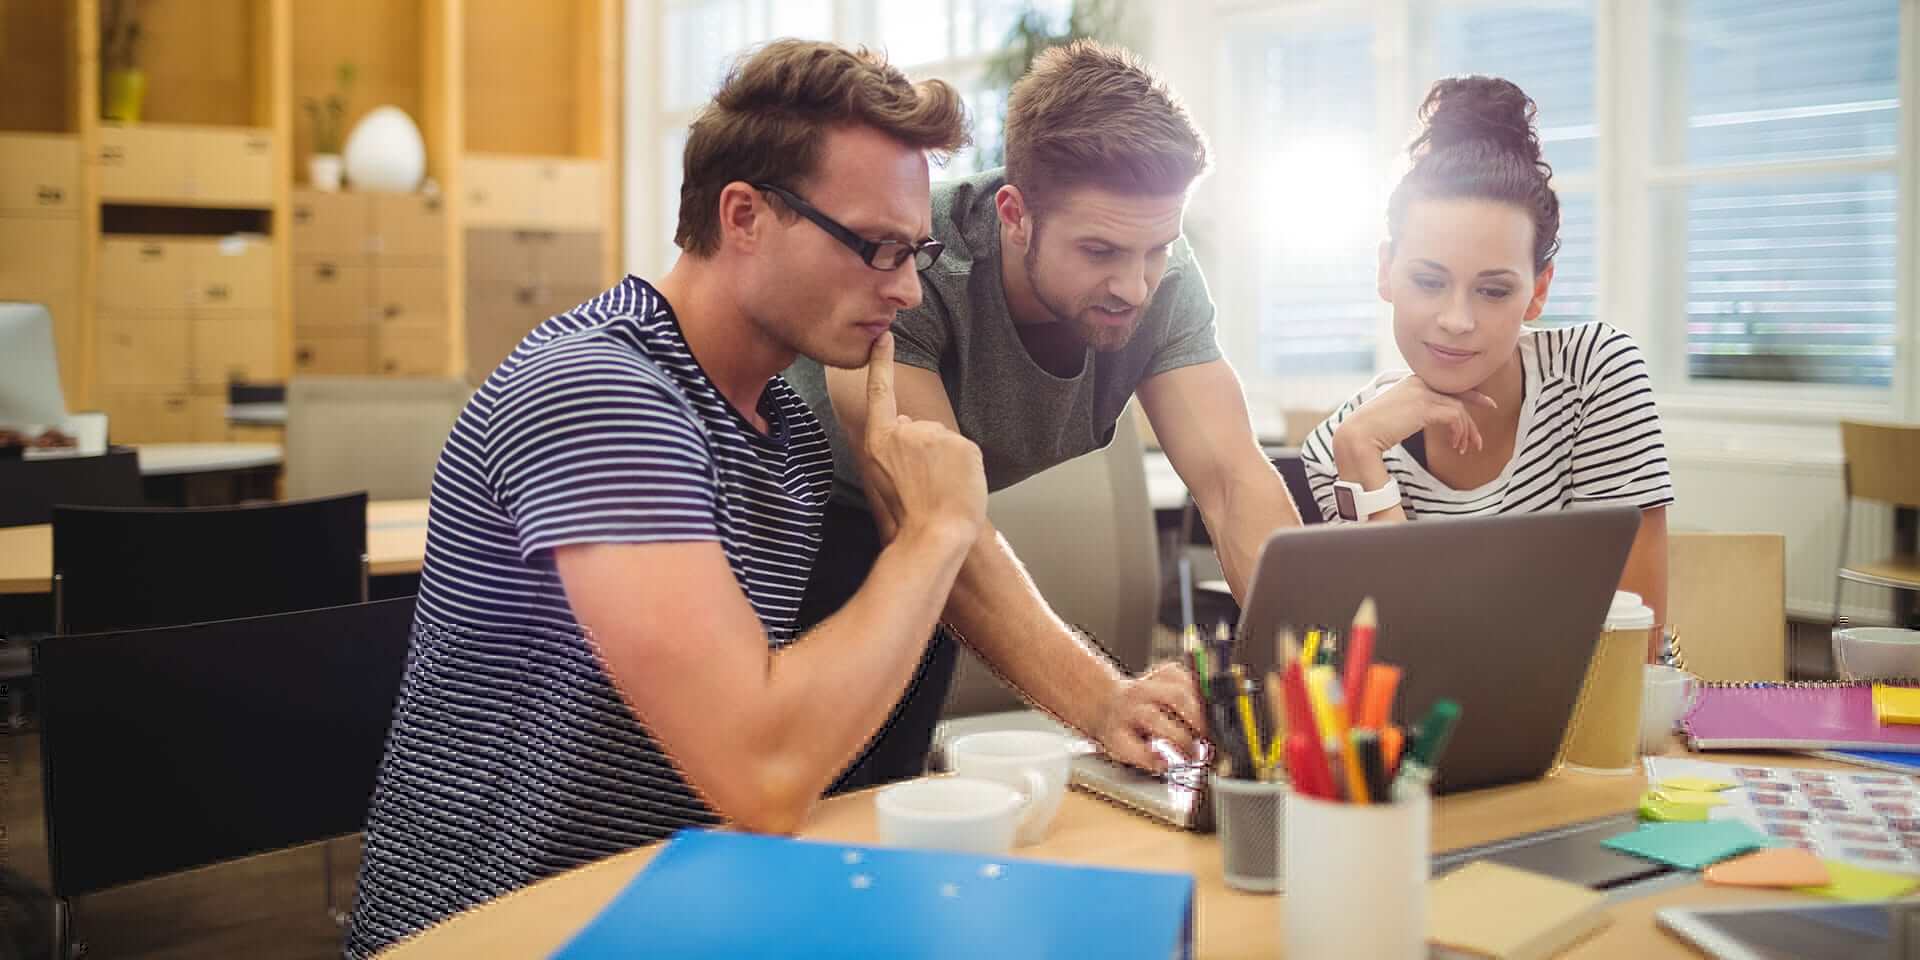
1779	867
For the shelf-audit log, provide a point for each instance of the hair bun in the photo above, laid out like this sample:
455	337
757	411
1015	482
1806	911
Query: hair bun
1461	110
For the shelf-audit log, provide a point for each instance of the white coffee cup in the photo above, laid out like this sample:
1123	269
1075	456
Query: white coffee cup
1033	762
950	813
1876	653
1670	693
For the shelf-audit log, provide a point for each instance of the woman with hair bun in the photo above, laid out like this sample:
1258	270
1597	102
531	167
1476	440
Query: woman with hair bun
1493	415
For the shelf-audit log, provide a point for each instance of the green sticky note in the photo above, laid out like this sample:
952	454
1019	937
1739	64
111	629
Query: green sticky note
1698	798
1690	846
1858	883
1701	784
1655	807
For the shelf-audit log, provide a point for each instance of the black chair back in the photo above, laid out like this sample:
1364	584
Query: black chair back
29	489
168	749
118	569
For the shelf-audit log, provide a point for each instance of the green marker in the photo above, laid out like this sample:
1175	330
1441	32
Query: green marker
1416	768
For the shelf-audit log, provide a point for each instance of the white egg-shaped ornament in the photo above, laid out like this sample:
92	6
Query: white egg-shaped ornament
385	152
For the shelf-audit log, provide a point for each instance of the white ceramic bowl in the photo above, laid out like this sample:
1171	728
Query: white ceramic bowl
950	813
1876	653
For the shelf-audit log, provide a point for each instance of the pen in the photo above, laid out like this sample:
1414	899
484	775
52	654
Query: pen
1186	591
1301	725
1256	756
1223	642
1373	768
1332	738
1226	726
1190	645
1391	740
1355	782
1329	649
1360	651
1417	768
1311	649
1376	706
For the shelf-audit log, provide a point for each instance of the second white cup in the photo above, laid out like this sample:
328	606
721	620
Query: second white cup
1670	692
1033	762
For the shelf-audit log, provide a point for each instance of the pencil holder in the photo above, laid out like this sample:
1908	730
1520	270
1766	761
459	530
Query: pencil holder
1247	814
1356	878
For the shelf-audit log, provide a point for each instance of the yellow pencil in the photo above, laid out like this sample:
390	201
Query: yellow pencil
1252	730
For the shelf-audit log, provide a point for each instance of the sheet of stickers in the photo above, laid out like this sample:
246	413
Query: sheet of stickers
1863	817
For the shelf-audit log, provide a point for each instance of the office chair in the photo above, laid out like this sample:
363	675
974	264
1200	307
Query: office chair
123	569
378	434
30	488
1084	530
275	730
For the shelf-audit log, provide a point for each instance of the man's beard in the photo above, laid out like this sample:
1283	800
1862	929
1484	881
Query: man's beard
1103	337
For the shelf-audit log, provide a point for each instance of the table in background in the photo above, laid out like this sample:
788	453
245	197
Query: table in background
396	545
536	920
209	474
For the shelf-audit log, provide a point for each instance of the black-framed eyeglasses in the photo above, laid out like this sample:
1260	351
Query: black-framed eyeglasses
878	254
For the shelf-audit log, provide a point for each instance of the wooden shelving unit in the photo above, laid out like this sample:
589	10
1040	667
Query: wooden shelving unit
518	104
539	193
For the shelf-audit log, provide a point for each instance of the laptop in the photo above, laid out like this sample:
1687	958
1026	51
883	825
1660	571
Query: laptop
1500	614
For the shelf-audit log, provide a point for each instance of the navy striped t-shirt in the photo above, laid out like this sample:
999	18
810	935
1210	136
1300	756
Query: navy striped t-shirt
512	755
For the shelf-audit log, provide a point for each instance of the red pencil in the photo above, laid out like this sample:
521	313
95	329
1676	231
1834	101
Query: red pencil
1312	772
1360	652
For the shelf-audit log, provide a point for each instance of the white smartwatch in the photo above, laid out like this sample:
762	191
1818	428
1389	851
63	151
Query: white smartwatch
1353	502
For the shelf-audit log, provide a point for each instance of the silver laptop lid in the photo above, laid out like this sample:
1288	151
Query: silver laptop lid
1498	613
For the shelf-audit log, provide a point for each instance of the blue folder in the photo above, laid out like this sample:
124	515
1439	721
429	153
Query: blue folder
1897	762
714	894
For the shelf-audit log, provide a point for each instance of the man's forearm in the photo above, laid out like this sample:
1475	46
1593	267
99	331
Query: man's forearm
830	691
1241	518
1000	613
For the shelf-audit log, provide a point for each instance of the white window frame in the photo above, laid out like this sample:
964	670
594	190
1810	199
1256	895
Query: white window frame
1636	284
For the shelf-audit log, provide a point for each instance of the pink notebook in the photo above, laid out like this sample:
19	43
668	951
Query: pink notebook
1793	716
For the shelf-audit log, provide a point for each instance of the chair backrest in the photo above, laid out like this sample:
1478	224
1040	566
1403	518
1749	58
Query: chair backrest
30	488
122	569
163	750
1084	530
1727	598
378	434
1883	461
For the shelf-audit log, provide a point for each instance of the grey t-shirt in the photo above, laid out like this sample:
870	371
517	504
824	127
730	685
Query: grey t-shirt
1024	418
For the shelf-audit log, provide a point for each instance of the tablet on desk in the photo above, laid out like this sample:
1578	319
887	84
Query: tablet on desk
1872	931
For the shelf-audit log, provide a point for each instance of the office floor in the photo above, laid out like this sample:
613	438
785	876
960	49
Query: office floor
266	906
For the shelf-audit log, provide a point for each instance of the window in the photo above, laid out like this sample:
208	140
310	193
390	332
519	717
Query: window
1330	107
1776	187
699	39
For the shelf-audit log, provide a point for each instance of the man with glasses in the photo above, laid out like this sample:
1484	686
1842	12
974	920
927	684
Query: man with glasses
622	521
1066	290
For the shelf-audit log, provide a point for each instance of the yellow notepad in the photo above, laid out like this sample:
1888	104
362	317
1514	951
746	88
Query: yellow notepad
1492	910
1895	704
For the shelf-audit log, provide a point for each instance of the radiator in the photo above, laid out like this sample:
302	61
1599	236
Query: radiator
1735	492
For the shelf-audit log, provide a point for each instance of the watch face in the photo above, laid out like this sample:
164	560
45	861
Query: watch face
1343	501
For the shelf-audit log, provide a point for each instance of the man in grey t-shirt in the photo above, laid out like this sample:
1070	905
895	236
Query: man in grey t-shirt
1065	290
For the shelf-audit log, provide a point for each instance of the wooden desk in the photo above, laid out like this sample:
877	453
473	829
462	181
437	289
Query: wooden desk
396	543
534	921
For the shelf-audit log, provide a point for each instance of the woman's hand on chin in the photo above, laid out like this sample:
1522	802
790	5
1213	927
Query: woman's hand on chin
1406	408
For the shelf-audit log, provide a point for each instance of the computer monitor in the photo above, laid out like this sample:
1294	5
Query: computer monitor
29	369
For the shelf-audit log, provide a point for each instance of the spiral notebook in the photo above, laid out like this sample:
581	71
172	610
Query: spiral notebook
1794	716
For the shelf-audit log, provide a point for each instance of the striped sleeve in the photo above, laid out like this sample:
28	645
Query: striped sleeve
1619	455
1316	452
591	444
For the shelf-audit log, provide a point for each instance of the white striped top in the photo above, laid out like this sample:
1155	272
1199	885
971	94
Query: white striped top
1589	434
512	755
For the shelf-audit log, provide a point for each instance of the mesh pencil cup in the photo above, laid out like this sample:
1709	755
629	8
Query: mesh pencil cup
1247	815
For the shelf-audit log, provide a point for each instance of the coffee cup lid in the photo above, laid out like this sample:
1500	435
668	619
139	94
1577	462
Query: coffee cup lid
1628	612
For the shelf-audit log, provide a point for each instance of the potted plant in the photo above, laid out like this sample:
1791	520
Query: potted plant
324	166
1033	32
123	87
